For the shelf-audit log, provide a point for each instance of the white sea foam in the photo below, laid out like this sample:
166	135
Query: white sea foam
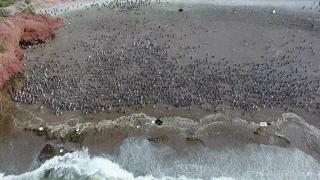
139	159
80	165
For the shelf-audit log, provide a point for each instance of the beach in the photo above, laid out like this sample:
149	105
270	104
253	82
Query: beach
210	73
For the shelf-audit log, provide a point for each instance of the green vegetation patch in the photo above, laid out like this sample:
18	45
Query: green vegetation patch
5	3
4	12
29	8
32	9
3	48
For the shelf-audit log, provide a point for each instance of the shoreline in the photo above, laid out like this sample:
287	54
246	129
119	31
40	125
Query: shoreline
216	132
190	127
301	6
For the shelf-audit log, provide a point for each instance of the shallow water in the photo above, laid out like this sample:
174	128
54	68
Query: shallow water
140	159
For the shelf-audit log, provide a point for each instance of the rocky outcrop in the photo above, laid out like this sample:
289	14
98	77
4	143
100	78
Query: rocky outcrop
49	151
22	28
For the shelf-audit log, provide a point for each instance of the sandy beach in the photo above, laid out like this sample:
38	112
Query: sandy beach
279	46
210	72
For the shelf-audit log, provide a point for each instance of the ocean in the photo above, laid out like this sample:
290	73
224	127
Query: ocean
139	159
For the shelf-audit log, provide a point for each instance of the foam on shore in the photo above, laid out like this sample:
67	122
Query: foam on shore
140	159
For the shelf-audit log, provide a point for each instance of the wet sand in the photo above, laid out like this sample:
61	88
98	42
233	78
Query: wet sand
215	131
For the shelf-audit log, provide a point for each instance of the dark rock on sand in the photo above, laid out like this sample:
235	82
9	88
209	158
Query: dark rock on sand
160	139
75	137
283	140
49	151
158	122
194	140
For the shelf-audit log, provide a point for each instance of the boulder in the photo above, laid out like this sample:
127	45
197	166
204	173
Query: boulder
46	153
49	151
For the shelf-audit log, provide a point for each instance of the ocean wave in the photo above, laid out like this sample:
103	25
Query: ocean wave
80	165
142	160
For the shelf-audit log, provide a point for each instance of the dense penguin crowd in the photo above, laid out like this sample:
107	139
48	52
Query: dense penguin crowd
133	61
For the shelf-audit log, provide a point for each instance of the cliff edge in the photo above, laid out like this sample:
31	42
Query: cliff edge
22	28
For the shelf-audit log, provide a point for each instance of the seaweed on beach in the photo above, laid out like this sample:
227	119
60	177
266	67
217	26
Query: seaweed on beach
42	131
6	106
75	137
4	12
160	139
3	48
28	8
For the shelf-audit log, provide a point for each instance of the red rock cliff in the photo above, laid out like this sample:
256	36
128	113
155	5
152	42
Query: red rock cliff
27	28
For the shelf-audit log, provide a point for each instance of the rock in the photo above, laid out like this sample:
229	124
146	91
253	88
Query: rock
46	153
22	28
158	122
51	150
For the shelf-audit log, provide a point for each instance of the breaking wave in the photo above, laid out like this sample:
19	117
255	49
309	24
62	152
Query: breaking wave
79	165
140	159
